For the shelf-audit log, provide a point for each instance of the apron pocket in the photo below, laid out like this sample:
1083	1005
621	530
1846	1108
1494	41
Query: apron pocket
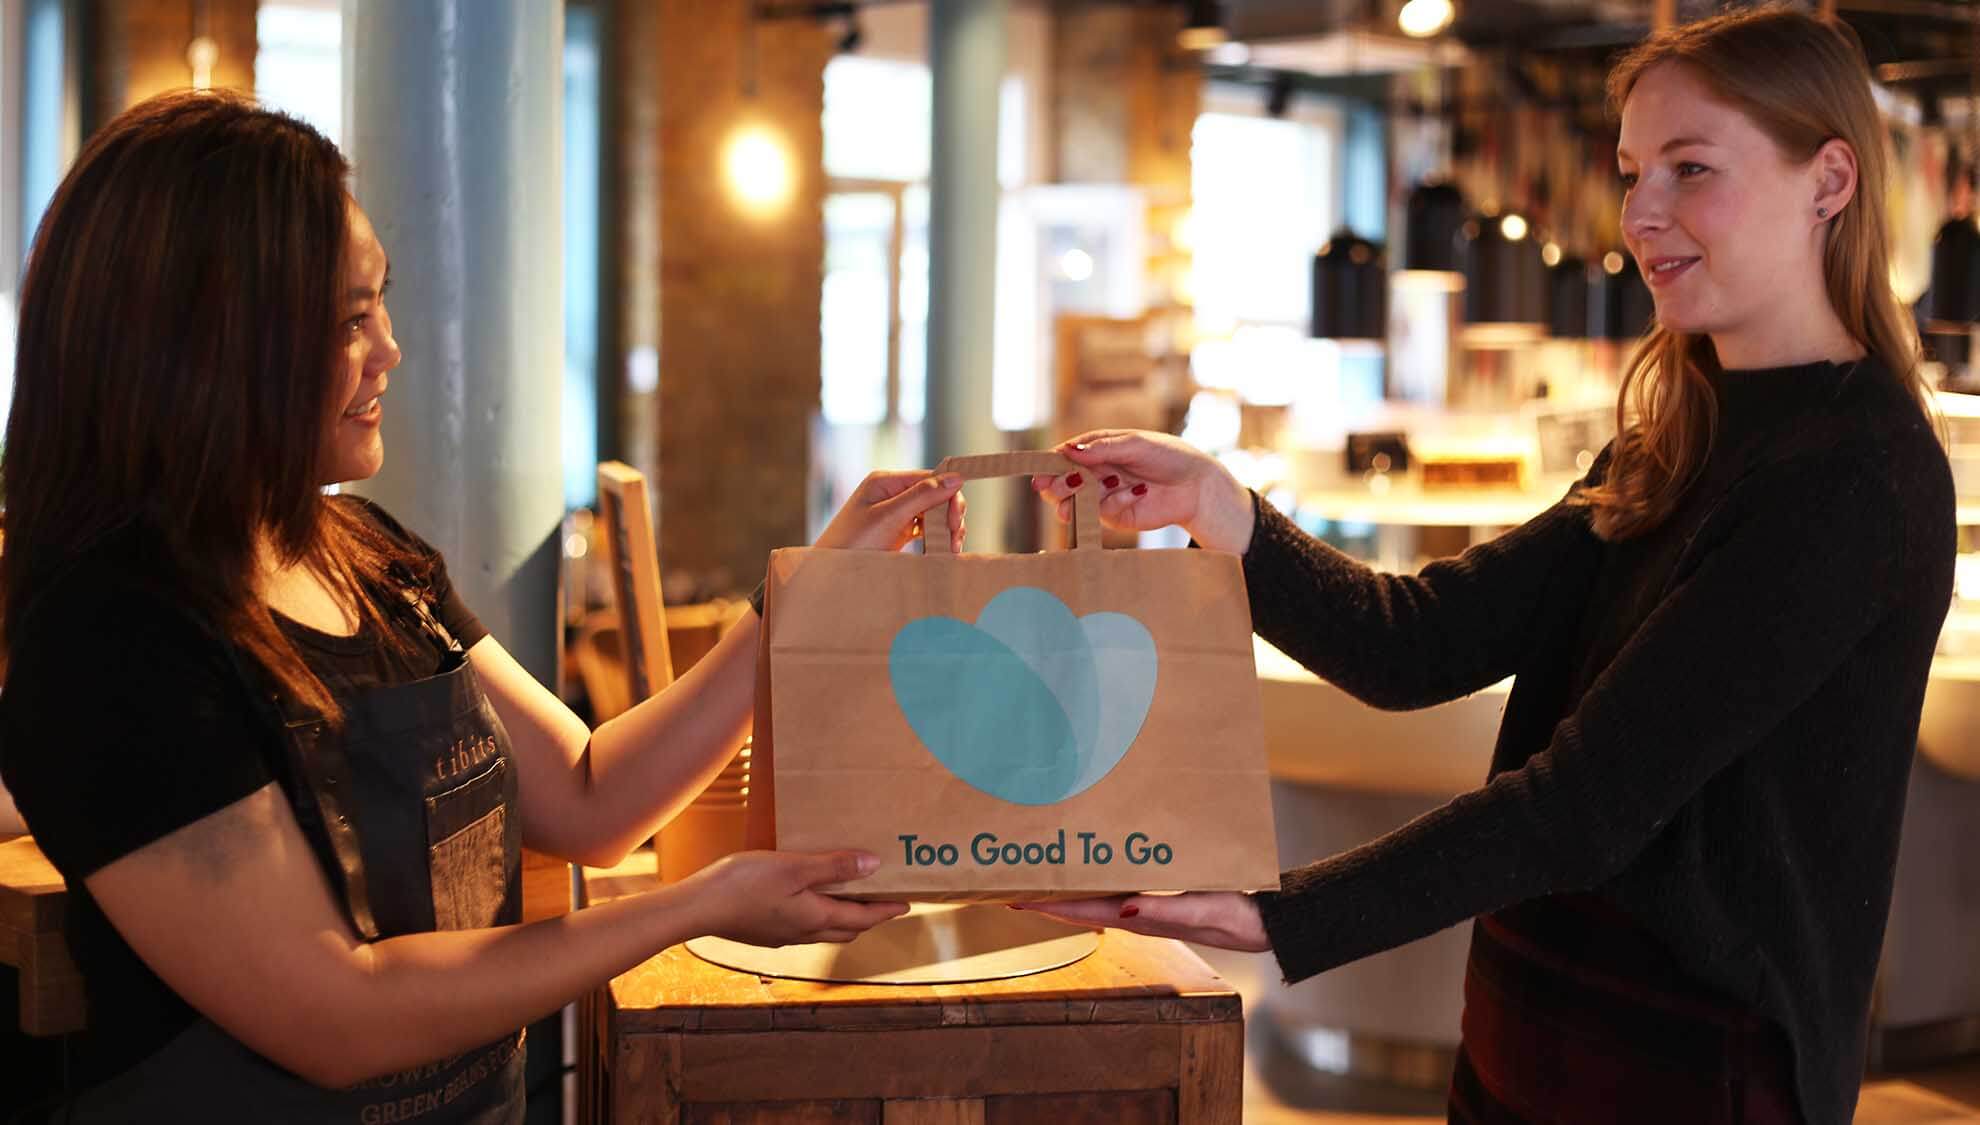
467	851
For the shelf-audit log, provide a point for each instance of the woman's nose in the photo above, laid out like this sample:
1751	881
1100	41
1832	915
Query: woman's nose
386	355
1644	212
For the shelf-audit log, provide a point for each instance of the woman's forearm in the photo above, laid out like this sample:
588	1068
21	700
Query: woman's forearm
235	915
427	996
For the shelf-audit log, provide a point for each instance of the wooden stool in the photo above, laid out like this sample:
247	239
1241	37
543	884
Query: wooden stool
1140	1032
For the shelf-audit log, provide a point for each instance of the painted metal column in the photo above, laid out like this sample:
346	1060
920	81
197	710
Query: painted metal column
966	57
454	128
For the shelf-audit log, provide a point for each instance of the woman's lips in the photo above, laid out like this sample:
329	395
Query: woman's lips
1663	271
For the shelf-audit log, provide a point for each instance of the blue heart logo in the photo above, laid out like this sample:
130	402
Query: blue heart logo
1030	704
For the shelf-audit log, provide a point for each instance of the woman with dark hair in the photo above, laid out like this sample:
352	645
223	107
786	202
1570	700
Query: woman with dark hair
1682	860
283	769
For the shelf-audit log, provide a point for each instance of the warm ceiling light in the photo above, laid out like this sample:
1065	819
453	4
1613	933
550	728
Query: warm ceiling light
1420	19
1513	227
1183	235
201	56
1551	253
1204	28
1612	263
759	170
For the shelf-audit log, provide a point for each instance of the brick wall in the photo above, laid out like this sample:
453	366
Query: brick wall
629	239
739	295
134	49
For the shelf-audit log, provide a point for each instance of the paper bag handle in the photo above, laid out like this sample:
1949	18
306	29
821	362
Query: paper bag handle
1086	500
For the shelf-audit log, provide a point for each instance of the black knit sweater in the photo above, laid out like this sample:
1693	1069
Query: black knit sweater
1711	726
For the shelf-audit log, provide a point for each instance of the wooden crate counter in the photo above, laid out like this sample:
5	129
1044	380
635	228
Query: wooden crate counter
33	901
1139	1032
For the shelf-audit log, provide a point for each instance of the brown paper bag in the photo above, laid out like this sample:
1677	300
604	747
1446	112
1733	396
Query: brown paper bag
1001	727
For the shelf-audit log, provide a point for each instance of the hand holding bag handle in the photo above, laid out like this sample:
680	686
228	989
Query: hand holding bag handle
1086	499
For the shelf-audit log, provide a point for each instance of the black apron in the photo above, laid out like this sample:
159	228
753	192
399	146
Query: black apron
412	811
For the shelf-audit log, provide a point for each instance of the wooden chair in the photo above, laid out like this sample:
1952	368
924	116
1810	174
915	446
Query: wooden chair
626	527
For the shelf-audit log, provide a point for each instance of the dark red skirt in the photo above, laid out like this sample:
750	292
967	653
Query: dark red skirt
1573	1015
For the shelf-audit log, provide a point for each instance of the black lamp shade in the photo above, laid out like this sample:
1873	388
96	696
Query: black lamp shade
1350	290
1567	299
1435	213
1505	282
1955	294
1619	304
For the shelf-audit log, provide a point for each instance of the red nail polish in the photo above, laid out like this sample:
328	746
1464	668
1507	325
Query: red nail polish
1130	911
1139	490
1075	480
1111	482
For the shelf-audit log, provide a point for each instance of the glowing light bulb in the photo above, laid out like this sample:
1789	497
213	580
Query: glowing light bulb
1551	253
201	56
1612	262
1513	227
759	170
1183	234
1076	264
1420	19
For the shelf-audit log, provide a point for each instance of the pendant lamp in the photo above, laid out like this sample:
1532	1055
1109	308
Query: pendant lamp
1203	26
1953	302
1350	289
1567	298
1434	214
1505	282
1619	303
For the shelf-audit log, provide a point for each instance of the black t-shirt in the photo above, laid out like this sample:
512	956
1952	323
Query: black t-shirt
123	720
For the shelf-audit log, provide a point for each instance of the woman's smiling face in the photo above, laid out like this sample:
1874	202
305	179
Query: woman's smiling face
1719	221
352	446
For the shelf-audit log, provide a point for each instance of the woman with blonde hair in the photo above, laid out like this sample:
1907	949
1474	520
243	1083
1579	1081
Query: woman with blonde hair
1681	862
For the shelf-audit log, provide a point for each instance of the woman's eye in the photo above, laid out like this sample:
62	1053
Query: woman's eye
1688	170
355	325
1628	180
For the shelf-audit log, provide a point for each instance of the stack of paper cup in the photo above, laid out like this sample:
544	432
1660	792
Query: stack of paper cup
711	826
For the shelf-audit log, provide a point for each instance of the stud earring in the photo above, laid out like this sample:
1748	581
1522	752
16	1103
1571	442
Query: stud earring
1821	212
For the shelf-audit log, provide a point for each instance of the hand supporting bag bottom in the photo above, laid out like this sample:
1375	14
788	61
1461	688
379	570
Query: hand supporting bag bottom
1006	727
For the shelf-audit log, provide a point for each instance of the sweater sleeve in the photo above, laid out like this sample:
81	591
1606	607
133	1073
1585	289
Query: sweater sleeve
1401	641
1801	571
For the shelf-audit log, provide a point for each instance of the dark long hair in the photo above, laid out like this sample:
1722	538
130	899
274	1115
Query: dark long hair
1802	80
174	370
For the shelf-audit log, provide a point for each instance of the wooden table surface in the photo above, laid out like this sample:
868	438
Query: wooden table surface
1138	1015
33	901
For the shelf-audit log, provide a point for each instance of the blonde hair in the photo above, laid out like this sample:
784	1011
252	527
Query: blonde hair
1803	81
